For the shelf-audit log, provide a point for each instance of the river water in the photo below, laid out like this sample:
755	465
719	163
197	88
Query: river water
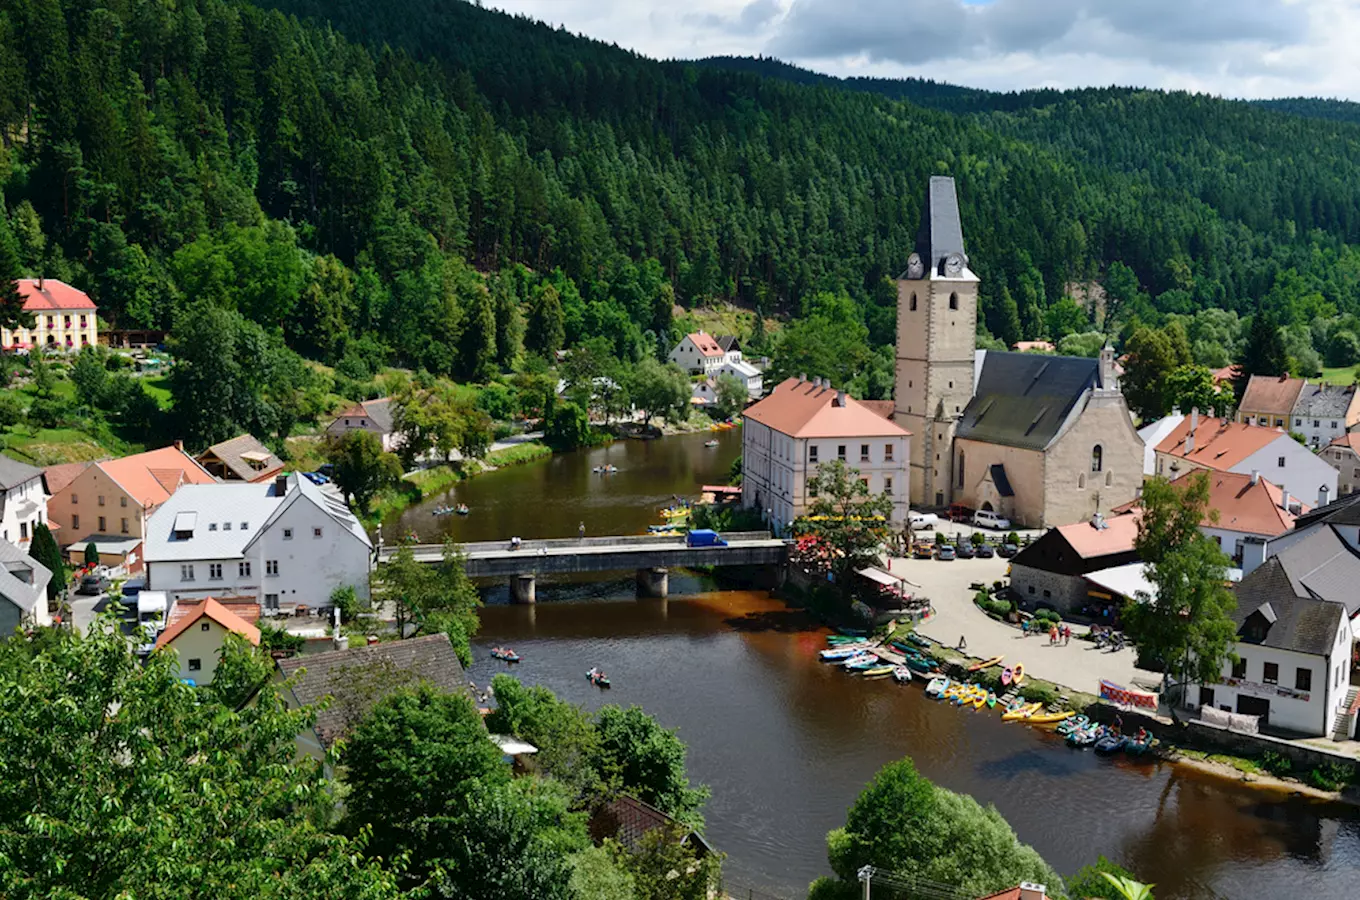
787	743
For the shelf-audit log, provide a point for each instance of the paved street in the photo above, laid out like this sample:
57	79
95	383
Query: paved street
1079	665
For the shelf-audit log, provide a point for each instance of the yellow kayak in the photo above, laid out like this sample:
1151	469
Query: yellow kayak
981	700
1023	712
1049	718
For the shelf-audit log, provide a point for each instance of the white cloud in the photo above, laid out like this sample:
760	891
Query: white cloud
1239	48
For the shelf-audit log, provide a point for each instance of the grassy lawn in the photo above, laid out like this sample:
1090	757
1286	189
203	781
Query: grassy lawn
159	389
50	446
1341	375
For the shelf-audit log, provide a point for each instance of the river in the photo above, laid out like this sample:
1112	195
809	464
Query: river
786	743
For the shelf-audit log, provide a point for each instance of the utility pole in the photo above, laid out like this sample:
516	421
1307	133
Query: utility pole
866	875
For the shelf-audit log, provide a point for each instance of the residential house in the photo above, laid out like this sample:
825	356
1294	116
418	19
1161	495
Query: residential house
1025	891
357	678
1339	519
198	637
1225	375
1206	442
107	503
731	347
804	423
1325	412
1343	454
23	500
375	416
1054	571
750	377
63	318
243	458
628	820
1269	400
285	544
703	393
699	353
23	590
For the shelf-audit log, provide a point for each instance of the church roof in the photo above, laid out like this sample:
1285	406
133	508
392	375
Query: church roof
941	232
1022	399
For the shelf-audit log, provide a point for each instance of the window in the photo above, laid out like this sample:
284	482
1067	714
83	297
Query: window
101	499
953	301
962	464
1298	423
316	532
245	526
1081	482
863	452
74	499
1240	669
1048	595
1279	423
887	485
205	627
1280	462
812	453
1333	424
123	525
1271	675
287	534
271	567
122	501
212	526
271	601
226	526
888	453
195	665
1031	588
103	525
1303	679
243	569
1317	424
186	572
1097	458
23	531
75	521
840	452
214	571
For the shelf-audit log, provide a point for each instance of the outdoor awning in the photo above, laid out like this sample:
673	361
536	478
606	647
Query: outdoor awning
878	575
1125	581
255	456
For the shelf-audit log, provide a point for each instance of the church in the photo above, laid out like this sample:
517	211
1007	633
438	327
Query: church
1042	440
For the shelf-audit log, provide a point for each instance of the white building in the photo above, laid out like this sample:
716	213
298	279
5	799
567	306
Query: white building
804	423
1324	412
744	372
284	543
1206	442
23	500
23	590
699	353
376	416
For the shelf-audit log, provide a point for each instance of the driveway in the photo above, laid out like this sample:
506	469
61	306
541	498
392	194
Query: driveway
1079	665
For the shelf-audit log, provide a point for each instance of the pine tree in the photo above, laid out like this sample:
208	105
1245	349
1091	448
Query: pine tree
1265	352
11	302
44	549
546	330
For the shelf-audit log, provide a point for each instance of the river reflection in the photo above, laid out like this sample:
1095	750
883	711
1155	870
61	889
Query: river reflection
786	743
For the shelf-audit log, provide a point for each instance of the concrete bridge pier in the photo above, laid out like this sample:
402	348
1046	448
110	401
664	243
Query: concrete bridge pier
653	581
523	588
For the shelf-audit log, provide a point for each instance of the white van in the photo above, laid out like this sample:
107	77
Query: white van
918	520
987	519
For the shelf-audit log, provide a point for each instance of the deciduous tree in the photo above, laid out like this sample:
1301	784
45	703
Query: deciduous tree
362	467
851	521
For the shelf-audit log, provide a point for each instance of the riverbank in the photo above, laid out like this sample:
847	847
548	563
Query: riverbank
418	486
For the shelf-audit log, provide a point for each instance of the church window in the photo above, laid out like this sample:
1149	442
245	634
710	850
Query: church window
961	465
953	301
1097	458
913	302
951	384
1081	482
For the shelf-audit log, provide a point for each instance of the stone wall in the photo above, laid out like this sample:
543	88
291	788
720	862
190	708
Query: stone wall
1024	471
1066	593
1072	492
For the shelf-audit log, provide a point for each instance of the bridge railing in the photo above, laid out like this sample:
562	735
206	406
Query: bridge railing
620	541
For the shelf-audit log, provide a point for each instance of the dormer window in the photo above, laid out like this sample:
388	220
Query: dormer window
184	525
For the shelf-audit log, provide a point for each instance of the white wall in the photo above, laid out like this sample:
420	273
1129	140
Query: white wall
1302	473
1153	435
16	529
767	473
1319	434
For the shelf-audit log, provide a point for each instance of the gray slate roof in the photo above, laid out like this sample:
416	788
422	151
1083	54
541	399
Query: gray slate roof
1023	399
727	342
1301	623
1341	511
1324	401
23	580
941	231
229	452
14	473
1323	566
399	664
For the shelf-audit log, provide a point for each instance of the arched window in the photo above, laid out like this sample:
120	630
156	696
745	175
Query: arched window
1097	458
913	301
953	301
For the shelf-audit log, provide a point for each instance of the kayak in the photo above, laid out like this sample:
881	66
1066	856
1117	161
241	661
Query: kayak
1022	712
838	653
1084	737
986	663
1006	675
991	700
859	658
1018	674
876	671
918	640
916	664
1050	718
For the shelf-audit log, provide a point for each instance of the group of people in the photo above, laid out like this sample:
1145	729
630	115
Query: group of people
1057	634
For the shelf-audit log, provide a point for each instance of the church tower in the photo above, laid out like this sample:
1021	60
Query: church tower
937	301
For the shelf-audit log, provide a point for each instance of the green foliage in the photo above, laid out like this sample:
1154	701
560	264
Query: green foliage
903	823
852	522
1192	387
1154	354
1090	882
568	745
1332	776
272	638
1264	353
1064	318
429	599
43	548
595	875
241	671
727	517
1088	344
1039	693
664	868
567	427
648	761
1277	764
176	765
659	390
91	554
1126	888
346	599
442	418
732	396
361	467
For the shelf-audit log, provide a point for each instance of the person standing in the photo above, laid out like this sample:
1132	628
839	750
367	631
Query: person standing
581	531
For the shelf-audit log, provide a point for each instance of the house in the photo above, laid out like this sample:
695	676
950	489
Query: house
1205	442
731	347
23	590
243	458
63	317
1225	375
370	415
108	502
1039	439
803	423
1269	400
1339	519
1295	641
23	500
358	677
703	393
1025	891
1034	347
1343	454
749	376
197	638
1053	571
699	353
628	820
285	544
1325	412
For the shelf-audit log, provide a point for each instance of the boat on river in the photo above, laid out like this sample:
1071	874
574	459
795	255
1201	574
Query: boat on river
1021	711
901	674
842	653
1138	746
712	443
1111	742
597	677
505	654
877	671
605	470
937	686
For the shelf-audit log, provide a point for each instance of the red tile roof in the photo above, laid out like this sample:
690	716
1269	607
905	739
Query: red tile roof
246	610
1117	536
219	614
1219	443
1026	346
1273	394
59	476
884	408
1241	505
54	296
802	409
150	478
707	344
1227	373
1350	439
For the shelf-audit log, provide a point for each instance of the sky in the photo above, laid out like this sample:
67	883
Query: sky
1233	48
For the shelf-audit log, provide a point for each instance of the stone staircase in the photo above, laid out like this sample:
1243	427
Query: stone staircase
1342	730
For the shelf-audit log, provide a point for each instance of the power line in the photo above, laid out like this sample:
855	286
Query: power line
913	886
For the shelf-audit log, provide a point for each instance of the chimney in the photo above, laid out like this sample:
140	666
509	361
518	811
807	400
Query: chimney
1322	495
1255	477
840	401
1285	499
1253	553
281	484
1031	891
1194	426
179	445
1098	522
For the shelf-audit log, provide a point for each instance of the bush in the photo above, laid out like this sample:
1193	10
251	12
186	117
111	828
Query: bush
978	538
1039	693
1013	538
1331	777
939	538
1048	616
1276	764
998	608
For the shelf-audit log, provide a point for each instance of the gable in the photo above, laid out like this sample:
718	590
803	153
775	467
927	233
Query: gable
1023	400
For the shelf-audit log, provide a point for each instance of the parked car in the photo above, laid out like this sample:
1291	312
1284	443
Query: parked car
945	553
985	518
919	520
984	551
964	550
92	586
1008	550
921	551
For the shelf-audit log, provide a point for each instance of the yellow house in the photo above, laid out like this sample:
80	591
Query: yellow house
63	317
198	638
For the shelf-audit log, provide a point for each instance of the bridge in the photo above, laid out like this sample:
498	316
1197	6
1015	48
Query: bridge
651	555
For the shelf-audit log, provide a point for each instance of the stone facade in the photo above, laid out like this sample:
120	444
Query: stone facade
1065	593
1073	491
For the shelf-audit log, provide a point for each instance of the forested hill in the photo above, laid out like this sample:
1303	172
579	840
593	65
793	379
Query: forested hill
402	182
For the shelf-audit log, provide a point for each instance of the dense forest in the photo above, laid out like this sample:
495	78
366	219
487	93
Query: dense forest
416	189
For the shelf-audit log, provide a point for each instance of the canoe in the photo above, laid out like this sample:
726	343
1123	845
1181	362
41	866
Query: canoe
986	663
1050	718
1018	674
876	671
918	640
1006	675
917	664
1023	712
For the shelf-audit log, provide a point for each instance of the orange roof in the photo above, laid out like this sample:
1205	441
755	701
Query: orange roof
706	343
1227	373
884	408
1349	439
59	476
246	610
151	477
54	296
219	614
1025	346
1117	536
1241	505
803	410
1219	443
1271	393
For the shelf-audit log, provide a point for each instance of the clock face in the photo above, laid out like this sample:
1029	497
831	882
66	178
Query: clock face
915	268
953	264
